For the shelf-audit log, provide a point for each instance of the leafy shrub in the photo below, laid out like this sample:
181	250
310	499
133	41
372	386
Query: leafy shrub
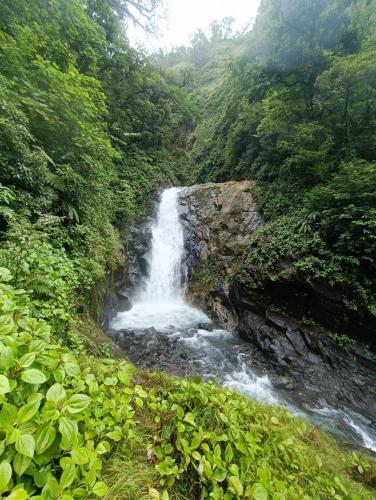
216	444
66	421
58	419
294	244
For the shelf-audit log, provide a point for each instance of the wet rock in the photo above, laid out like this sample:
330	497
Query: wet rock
206	326
285	382
218	221
124	303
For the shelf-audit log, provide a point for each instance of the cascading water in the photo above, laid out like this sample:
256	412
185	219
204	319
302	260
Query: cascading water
161	318
164	283
161	303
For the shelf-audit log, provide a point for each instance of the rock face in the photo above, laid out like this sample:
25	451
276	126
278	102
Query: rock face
219	220
136	247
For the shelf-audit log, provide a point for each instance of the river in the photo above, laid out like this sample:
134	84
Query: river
161	323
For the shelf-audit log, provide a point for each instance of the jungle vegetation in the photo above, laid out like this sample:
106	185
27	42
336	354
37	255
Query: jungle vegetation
291	104
89	128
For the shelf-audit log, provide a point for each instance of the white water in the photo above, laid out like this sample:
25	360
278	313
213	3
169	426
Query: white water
215	354
164	283
161	304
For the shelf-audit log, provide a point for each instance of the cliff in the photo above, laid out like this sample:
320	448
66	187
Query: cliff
290	321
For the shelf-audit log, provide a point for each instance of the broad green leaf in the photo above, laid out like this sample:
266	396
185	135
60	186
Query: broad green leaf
18	493
69	431
6	356
125	374
44	438
259	492
37	345
219	475
229	453
59	374
80	456
236	485
89	378
27	359
68	357
5	475
56	393
68	476
190	419
100	489
196	441
77	403
41	478
21	463
110	381
140	392
71	369
33	376
27	411
5	275
4	385
103	447
8	415
12	435
51	488
115	435
25	445
49	411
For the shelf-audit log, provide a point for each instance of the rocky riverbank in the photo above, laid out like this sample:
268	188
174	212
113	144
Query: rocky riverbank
286	320
255	330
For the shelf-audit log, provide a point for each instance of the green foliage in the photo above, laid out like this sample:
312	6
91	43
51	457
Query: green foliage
65	421
342	340
361	467
205	277
88	129
218	445
42	268
296	245
58	420
292	106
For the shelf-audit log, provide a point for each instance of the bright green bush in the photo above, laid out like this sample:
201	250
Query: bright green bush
298	241
216	444
58	420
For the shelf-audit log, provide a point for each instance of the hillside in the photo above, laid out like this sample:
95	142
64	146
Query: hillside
291	105
91	130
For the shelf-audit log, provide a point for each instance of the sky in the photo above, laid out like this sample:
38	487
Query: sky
178	20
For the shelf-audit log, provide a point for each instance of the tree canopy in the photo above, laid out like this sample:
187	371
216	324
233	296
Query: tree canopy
291	104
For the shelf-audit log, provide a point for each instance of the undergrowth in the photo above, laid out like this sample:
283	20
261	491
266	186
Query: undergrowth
76	427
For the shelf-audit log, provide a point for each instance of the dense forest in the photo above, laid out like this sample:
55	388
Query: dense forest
89	128
291	104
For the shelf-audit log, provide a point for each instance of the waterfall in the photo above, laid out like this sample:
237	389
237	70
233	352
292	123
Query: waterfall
164	282
161	303
160	322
